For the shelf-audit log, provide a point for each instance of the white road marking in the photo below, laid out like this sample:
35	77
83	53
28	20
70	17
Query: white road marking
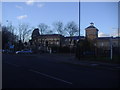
50	76
94	64
12	64
118	67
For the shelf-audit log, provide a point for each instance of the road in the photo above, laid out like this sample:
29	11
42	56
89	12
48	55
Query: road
28	71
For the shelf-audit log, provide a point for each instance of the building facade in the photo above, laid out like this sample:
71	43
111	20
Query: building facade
49	40
103	44
56	40
91	32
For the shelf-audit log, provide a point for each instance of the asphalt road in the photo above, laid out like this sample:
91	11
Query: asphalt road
27	71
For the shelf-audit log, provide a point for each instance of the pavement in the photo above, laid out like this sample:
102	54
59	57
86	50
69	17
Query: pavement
71	59
55	71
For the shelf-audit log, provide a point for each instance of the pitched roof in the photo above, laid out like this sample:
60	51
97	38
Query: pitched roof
103	37
49	35
91	26
74	37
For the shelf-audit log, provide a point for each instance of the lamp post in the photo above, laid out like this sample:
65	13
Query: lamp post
78	45
79	18
118	38
119	41
111	48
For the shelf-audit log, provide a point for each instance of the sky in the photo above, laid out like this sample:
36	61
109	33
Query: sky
103	14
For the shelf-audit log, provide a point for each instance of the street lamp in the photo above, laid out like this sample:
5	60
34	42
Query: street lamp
79	18
111	48
118	37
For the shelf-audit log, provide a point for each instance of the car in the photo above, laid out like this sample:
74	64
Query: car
1	50
5	51
24	52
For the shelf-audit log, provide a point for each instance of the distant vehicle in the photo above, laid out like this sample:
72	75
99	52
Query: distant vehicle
8	51
5	51
1	50
24	52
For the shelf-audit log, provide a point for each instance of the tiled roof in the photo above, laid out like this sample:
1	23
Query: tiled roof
103	37
51	35
74	37
91	27
108	37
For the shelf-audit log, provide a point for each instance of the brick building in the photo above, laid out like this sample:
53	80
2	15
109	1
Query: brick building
51	40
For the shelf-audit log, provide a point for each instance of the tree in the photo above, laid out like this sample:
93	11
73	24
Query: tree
49	32
0	36
71	28
58	26
11	29
0	26
24	31
43	28
7	37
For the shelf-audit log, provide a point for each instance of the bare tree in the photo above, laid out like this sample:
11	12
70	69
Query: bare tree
0	26
49	32
71	28
0	34
58	26
43	28
24	31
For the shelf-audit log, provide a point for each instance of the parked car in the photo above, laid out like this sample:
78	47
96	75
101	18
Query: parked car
1	50
24	52
6	51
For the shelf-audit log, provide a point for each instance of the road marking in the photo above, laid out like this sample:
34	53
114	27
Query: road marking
12	64
94	64
118	67
41	73
50	76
